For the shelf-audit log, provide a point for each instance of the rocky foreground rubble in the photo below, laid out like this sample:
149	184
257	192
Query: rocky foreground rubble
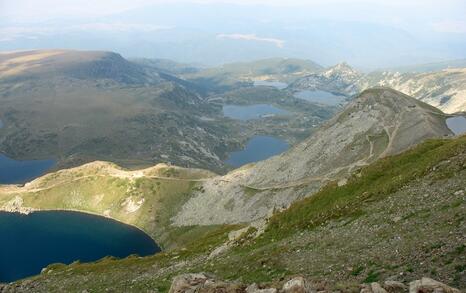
206	283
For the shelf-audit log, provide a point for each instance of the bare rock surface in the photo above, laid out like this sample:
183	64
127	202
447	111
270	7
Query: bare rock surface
427	285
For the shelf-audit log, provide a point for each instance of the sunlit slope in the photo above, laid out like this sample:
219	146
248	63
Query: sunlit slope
144	198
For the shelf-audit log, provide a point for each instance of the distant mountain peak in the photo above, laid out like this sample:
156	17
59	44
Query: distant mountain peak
342	69
71	63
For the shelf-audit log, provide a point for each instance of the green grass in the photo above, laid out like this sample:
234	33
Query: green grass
372	277
376	181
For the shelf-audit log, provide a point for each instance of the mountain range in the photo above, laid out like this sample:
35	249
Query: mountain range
307	211
374	193
443	89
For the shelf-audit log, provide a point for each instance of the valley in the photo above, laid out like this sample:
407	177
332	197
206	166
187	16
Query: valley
232	146
84	109
277	167
329	228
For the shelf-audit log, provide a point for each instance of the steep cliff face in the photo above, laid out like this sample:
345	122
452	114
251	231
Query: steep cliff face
378	123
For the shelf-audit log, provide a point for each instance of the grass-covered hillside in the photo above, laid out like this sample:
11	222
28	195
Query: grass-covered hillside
401	217
145	198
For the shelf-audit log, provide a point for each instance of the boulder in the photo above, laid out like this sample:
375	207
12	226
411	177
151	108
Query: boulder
395	287
365	289
187	283
376	288
201	283
253	288
297	285
427	285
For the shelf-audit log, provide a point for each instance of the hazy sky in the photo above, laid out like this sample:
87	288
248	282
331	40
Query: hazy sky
366	32
444	15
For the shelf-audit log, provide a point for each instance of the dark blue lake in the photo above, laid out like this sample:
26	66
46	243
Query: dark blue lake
457	124
12	171
31	242
257	149
252	111
320	97
276	84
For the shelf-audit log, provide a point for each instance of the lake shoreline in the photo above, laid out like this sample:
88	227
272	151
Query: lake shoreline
27	211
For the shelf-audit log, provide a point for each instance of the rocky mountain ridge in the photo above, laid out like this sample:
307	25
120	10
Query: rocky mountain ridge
443	89
380	122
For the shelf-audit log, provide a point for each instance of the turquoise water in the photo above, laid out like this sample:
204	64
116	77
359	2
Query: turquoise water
257	149
276	84
31	242
251	111
320	97
457	124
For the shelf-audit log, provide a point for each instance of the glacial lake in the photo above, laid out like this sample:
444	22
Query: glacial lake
457	124
257	149
251	111
320	97
276	84
12	171
31	242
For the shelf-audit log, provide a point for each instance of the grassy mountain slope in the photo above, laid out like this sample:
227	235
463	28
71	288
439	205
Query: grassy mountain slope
400	217
145	198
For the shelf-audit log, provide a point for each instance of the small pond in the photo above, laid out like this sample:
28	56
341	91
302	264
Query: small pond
31	242
276	84
257	149
252	111
320	97
457	124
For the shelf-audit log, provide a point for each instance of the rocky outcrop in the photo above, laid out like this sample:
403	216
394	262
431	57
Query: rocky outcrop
297	285
203	282
340	79
395	287
15	205
427	285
